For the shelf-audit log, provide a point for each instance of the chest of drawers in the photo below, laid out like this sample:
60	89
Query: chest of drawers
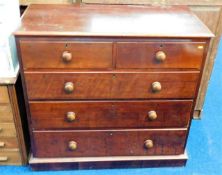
110	86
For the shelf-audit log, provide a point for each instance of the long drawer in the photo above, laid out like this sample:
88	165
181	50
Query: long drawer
111	114
108	143
111	85
159	54
65	54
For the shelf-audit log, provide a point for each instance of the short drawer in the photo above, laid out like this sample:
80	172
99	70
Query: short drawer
108	115
159	54
85	143
8	143
141	85
65	54
7	130
10	157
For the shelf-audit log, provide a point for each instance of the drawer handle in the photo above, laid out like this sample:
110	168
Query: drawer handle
160	56
72	145
156	86
71	116
152	115
69	87
66	56
3	159
148	144
2	144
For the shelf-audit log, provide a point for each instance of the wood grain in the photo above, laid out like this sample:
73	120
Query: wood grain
157	2
7	130
9	143
27	2
10	158
103	20
19	119
142	55
4	94
108	143
6	115
108	85
216	26
108	115
48	54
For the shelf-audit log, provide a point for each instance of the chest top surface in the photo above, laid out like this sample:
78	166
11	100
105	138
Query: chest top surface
111	21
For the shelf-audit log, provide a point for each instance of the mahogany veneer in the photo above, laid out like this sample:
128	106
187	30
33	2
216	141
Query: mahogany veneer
110	86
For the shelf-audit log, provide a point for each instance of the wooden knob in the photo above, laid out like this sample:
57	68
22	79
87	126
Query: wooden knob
152	115
66	56
69	87
160	56
2	144
72	145
71	116
156	86
148	144
3	159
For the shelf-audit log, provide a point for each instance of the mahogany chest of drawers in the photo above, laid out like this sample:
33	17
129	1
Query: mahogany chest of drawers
110	86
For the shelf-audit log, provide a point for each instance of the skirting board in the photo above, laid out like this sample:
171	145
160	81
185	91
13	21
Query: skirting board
107	162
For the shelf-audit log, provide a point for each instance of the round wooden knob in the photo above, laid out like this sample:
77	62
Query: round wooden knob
66	56
72	145
71	116
69	87
160	56
156	86
148	144
152	115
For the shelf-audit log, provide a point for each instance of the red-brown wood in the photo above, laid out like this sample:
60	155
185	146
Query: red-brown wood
106	85
113	68
48	54
108	143
111	114
142	54
111	20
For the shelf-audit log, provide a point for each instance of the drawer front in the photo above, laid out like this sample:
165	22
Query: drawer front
10	158
7	130
8	143
62	54
111	85
159	55
6	115
108	115
109	143
4	97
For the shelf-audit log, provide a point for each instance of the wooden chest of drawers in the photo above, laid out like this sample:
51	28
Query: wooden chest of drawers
12	142
110	86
